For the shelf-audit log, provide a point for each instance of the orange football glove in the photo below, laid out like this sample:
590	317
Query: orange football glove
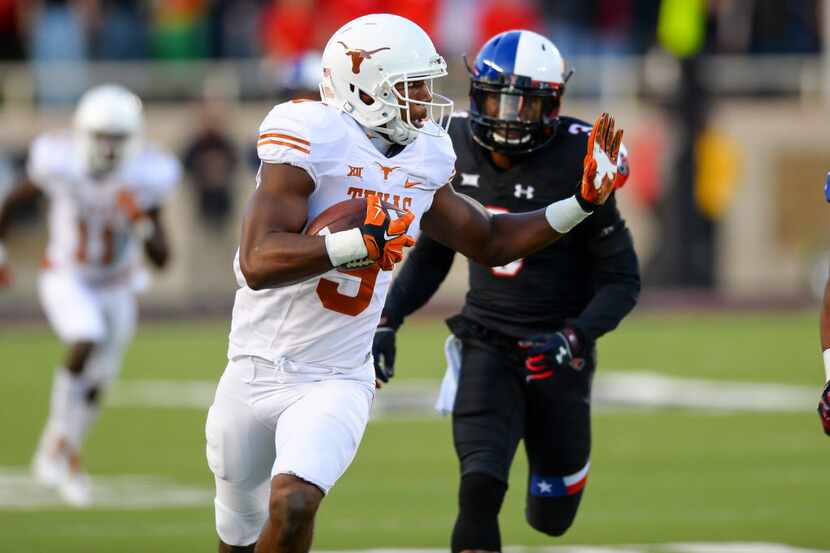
599	174
384	237
129	205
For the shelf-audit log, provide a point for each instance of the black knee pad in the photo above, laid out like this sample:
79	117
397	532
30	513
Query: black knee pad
479	501
552	515
93	394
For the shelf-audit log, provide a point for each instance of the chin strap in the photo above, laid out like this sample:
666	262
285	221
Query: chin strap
393	132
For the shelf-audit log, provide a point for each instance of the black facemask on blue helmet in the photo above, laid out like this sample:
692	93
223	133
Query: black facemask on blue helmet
517	83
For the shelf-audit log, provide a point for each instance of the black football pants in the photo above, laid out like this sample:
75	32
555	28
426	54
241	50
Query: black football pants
495	408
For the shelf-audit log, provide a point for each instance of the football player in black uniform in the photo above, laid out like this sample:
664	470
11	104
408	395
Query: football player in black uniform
528	329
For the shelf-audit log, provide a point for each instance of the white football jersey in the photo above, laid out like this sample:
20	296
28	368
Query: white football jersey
88	233
329	320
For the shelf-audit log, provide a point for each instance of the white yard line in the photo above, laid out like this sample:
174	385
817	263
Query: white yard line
702	547
415	398
20	492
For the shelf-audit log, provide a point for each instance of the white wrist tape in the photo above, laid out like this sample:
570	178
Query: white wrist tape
345	246
826	356
565	214
4	257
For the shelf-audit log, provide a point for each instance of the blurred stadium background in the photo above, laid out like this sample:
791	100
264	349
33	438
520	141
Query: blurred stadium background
705	430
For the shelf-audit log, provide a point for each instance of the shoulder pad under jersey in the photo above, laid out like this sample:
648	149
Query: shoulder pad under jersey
438	158
50	157
302	133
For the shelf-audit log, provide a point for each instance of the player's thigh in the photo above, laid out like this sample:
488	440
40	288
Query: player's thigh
489	412
119	307
240	453
72	308
317	436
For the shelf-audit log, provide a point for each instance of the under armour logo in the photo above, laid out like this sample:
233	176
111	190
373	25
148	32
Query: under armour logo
560	357
520	191
469	180
355	171
358	55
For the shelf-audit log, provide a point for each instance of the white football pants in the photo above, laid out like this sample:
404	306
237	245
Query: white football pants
267	420
79	312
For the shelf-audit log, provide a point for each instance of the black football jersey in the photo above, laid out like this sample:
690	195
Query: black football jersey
539	292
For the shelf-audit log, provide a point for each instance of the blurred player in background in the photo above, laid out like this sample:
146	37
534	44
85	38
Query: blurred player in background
293	402
105	187
525	340
824	331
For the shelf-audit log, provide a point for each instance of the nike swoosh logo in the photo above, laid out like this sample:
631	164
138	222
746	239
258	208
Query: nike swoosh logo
410	184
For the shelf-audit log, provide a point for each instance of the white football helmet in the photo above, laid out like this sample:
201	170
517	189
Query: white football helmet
108	124
371	54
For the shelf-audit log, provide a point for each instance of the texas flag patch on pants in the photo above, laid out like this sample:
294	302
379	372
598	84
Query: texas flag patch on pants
559	486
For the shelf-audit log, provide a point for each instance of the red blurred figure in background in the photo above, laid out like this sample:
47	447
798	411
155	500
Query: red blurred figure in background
498	16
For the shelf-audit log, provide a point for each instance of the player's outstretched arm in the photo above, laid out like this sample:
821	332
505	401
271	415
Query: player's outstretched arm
465	226
272	252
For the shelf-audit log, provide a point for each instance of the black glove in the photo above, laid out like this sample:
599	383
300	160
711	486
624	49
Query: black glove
383	350
824	408
549	353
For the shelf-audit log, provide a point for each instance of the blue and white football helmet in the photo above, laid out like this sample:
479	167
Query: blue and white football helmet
517	83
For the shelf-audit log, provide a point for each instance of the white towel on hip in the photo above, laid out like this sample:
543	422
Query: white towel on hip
449	385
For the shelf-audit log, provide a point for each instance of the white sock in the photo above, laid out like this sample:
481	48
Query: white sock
68	391
82	420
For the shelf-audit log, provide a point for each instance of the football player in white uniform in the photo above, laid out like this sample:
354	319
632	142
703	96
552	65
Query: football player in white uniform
105	187
293	402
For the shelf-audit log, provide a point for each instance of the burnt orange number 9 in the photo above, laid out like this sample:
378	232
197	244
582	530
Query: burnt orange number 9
349	305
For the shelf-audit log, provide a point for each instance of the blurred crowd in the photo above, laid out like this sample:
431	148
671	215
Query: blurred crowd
289	34
49	30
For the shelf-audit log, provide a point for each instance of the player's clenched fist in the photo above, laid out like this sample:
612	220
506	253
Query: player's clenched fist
824	408
385	237
599	168
549	353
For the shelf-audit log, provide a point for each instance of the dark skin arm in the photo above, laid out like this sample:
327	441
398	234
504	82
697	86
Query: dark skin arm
25	192
156	246
465	226
491	240
272	252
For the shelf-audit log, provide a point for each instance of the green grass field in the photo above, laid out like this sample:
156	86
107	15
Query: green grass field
658	475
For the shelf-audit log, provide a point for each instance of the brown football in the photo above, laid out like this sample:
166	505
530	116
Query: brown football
341	216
